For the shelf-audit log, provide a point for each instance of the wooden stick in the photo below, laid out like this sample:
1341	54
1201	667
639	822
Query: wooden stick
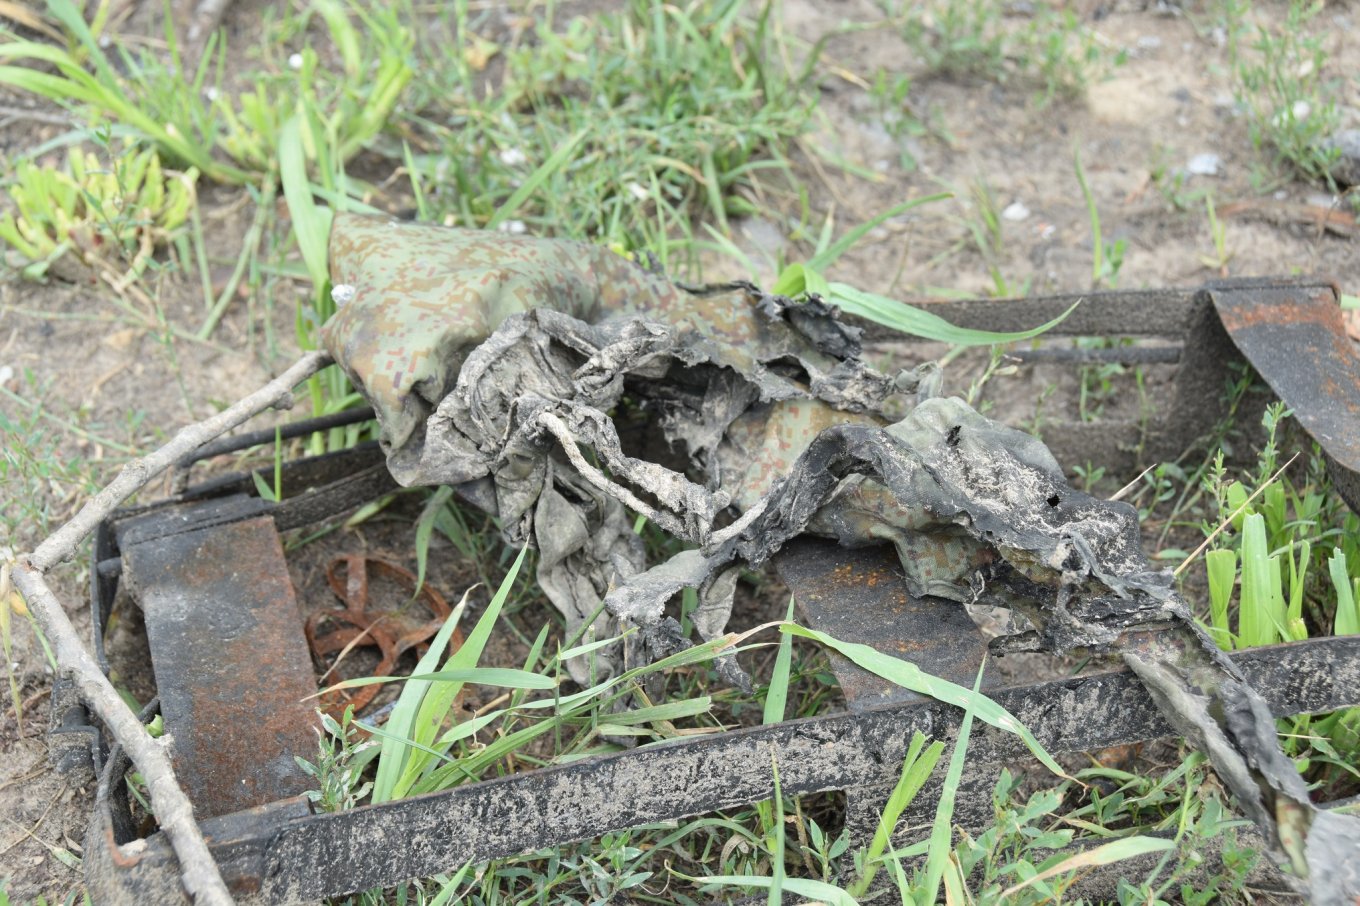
202	880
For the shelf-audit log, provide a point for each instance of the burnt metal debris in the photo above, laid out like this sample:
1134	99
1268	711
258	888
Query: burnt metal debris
780	422
392	631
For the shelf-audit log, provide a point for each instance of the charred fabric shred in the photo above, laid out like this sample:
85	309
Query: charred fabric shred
499	363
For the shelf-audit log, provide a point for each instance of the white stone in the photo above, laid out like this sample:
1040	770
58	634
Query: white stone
1015	211
1205	165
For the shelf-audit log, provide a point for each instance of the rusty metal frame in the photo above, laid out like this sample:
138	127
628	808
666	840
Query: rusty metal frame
280	852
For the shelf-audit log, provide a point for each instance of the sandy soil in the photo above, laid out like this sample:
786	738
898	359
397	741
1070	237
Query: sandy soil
1170	101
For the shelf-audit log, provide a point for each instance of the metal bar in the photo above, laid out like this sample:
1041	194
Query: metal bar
379	845
1121	355
233	443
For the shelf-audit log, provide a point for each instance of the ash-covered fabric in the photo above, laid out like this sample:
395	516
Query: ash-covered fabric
500	363
504	359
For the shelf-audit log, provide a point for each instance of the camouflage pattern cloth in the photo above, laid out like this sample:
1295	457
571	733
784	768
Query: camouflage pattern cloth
499	364
492	360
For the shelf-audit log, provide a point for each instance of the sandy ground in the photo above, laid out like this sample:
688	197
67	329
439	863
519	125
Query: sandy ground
68	355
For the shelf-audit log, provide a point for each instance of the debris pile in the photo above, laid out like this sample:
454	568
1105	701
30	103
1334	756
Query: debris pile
494	364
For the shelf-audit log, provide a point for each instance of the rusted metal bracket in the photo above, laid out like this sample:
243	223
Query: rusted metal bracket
1295	339
1288	329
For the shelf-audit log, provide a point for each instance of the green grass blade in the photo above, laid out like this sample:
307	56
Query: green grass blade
1297	630
676	710
311	222
1093	212
1347	621
424	528
829	255
395	744
1221	566
1105	854
921	323
777	875
941	831
501	677
916	770
1254	623
803	887
777	696
536	179
438	700
909	676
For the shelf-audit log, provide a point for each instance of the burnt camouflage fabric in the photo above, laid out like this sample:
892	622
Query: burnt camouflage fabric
518	369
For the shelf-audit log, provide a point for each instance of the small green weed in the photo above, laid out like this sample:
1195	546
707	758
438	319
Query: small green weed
1106	257
110	219
1281	80
1049	50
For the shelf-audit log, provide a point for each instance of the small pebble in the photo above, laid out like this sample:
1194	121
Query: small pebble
514	227
1346	168
1149	42
513	157
295	61
1015	211
1205	165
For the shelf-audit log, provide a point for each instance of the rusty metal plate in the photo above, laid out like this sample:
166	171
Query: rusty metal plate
231	664
859	595
1295	339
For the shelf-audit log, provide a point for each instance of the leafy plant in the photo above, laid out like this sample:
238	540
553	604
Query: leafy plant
108	218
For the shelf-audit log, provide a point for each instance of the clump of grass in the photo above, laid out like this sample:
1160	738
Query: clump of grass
191	118
1049	50
1281	80
672	111
1289	552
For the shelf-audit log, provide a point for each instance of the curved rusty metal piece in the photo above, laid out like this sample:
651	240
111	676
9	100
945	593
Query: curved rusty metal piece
1295	338
392	632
